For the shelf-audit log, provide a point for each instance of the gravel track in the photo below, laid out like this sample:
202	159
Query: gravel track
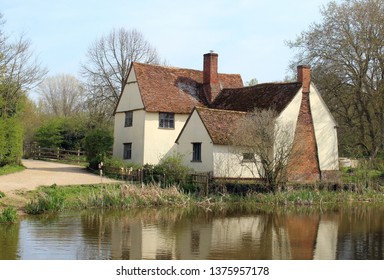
45	173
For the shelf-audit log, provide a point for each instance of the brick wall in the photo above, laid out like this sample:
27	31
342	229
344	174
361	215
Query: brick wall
303	165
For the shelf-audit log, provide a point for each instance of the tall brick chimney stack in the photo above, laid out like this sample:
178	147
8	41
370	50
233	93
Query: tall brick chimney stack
211	82
304	77
303	164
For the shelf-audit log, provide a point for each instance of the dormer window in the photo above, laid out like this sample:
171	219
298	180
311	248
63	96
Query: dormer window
166	120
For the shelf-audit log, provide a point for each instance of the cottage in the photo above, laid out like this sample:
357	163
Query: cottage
166	109
156	103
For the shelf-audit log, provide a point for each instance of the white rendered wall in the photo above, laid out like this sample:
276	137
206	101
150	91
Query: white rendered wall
160	142
133	134
325	131
195	132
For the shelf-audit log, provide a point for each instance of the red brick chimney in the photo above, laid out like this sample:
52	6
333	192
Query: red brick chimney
304	77
303	164
211	82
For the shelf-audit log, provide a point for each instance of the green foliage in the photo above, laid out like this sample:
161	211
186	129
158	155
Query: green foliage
49	135
171	170
8	215
2	194
8	169
11	140
45	202
118	163
97	145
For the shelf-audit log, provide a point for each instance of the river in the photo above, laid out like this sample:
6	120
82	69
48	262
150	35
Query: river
351	232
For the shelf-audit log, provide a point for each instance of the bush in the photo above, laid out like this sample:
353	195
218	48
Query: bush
49	135
97	145
115	162
11	141
170	170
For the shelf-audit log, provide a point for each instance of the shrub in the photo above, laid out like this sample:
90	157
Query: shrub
171	170
97	145
2	194
115	162
49	135
11	141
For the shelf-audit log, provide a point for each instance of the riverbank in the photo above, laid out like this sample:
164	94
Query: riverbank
122	196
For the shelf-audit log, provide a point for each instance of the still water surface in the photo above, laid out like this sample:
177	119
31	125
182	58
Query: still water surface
351	232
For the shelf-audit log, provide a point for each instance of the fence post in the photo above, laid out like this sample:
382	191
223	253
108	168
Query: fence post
39	152
100	165
206	184
78	156
58	153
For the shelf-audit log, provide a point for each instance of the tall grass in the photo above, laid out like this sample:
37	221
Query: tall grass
44	202
8	215
54	198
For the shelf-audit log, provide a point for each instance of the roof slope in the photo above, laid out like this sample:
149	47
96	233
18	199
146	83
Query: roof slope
178	90
262	96
220	124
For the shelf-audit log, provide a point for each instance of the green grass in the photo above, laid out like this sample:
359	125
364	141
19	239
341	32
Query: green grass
8	215
118	196
55	198
8	169
2	194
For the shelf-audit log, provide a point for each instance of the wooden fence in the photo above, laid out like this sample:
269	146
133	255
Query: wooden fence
201	179
37	152
126	174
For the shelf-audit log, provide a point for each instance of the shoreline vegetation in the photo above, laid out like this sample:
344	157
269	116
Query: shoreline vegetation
53	199
362	185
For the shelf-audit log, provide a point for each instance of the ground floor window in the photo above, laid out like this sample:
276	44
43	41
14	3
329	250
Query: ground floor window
127	151
196	154
248	157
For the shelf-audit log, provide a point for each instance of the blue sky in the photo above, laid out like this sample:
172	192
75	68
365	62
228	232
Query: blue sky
249	36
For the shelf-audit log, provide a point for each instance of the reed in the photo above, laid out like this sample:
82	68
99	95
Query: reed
8	215
45	202
117	196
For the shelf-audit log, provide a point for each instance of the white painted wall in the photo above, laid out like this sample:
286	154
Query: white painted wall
134	135
288	117
227	163
160	142
195	131
131	97
325	131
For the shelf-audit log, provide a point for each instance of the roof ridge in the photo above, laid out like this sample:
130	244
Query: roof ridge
272	83
220	110
179	68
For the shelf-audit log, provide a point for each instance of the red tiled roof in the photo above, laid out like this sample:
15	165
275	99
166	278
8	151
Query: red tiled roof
220	124
169	89
262	96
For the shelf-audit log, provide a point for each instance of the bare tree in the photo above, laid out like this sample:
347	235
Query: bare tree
347	55
109	59
61	95
19	71
266	142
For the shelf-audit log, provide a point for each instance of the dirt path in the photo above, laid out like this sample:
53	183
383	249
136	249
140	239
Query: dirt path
44	173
